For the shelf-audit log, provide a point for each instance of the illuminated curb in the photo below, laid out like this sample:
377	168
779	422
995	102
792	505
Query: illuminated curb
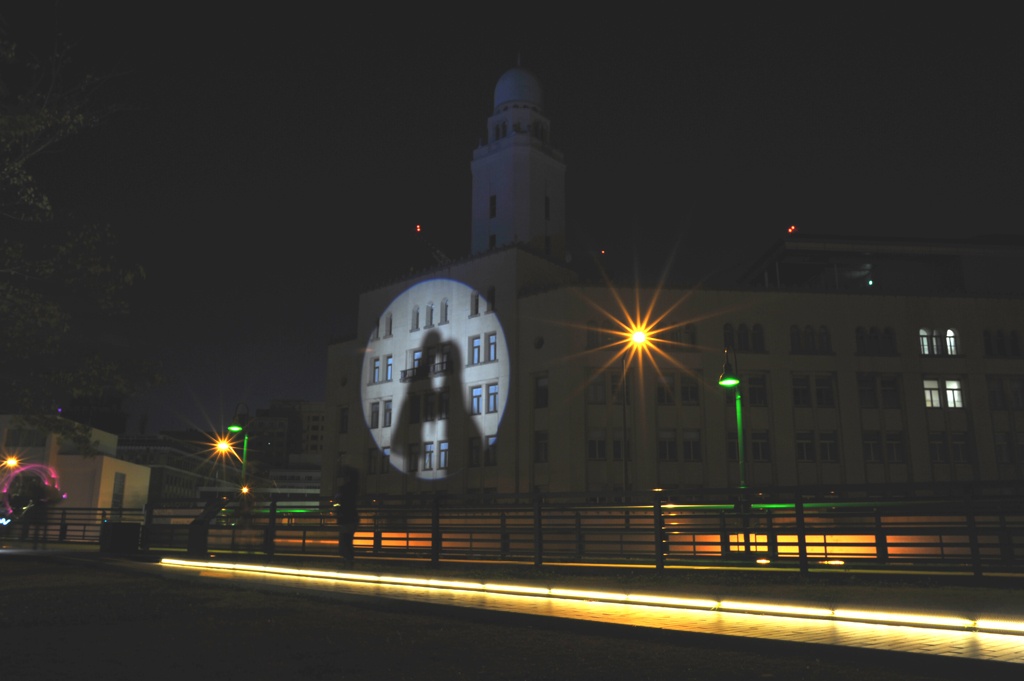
839	615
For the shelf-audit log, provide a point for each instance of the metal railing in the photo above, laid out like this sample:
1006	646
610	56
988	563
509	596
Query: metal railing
978	525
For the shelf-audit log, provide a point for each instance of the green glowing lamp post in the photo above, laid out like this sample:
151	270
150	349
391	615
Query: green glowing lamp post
728	379
237	426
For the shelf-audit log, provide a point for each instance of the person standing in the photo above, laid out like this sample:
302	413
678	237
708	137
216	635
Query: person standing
346	512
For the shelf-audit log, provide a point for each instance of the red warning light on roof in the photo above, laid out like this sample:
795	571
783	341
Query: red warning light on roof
792	228
417	228
602	252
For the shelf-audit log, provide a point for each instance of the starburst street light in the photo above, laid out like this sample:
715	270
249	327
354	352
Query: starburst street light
11	462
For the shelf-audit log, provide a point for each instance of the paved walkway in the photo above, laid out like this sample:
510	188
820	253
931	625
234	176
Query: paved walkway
931	641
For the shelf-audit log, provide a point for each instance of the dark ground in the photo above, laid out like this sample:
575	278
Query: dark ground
71	618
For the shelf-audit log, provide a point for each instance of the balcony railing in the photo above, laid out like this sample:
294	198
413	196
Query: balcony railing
425	370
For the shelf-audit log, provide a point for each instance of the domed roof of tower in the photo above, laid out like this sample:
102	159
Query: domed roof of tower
518	85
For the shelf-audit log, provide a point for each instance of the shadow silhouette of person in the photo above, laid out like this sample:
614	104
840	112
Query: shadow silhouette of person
434	413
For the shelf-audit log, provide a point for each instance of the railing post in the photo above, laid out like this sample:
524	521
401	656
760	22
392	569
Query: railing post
538	533
63	534
660	541
1005	541
268	536
504	537
773	539
147	523
435	532
579	536
801	534
723	536
377	530
881	540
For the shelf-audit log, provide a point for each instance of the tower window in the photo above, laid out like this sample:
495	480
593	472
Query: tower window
494	206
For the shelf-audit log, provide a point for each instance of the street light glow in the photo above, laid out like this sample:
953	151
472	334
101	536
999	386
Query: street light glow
12	462
639	337
245	490
223	446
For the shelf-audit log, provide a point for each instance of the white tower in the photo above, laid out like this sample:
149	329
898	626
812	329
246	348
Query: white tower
518	178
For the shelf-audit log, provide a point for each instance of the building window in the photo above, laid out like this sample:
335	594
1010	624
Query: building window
596	388
597	444
387	325
926	341
475	350
675	336
620	438
666	389
492	398
442	405
413	459
376	371
824	340
688	393
444	311
937	448
959	448
414	408
805	446
954	395
801	391
430	315
442	459
593	336
490	298
691	445
491	453
759	448
867	392
540	392
387	413
492	347
757	339
385	460
809	340
416	318
894	451
667	446
890	393
952	342
996	397
475	399
494	206
374	334
732	446
428	456
540	446
343	420
375	415
823	391
888	341
474	304
872	443
389	367
757	391
828	446
742	338
429	402
931	394
474	452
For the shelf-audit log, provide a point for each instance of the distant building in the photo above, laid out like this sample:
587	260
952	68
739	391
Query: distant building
288	428
177	468
101	481
861	360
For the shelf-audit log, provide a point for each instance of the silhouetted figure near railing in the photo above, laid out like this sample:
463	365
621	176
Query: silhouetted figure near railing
346	513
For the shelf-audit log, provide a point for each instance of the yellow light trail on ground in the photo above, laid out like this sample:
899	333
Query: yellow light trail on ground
881	618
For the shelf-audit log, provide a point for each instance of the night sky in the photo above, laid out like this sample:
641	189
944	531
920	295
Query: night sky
269	166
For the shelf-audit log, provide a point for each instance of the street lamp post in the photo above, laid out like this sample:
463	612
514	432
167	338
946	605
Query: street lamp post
237	425
638	338
728	379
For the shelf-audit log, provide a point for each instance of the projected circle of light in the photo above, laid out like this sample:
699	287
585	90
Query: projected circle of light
50	485
418	388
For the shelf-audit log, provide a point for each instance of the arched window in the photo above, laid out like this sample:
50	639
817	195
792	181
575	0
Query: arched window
607	337
874	341
415	318
497	133
824	340
938	342
387	325
1014	344
743	338
952	342
1000	343
794	339
376	331
474	304
430	315
987	336
862	341
490	299
757	338
504	129
444	311
888	341
691	335
727	337
809	340
926	345
593	336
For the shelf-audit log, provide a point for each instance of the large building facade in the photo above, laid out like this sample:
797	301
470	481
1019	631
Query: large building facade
861	361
